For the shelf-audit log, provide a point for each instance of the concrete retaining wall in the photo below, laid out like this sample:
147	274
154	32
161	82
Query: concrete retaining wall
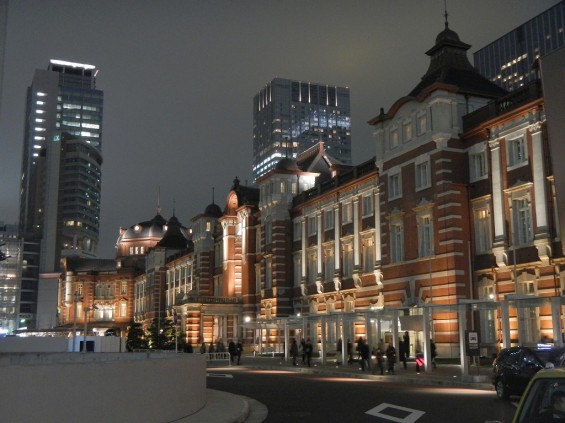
101	387
18	344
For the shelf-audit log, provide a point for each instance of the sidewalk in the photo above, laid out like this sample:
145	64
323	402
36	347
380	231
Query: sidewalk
445	374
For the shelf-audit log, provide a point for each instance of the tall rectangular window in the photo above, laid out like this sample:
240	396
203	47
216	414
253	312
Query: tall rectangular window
329	219
368	255
394	138
407	131
422	124
347	212
268	232
483	241
297	261
312	268
269	273
297	230
522	221
394	186
396	242
347	260
423	175
367	205
425	236
478	166
329	264
517	153
312	225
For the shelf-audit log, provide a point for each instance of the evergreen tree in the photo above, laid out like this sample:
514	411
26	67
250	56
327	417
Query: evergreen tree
157	335
136	337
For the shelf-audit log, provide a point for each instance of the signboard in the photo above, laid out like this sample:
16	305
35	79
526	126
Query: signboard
472	342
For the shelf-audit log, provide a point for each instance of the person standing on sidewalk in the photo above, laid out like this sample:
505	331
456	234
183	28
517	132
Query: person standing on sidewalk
294	351
349	351
232	350
239	350
379	356
390	358
303	348
308	350
434	353
405	349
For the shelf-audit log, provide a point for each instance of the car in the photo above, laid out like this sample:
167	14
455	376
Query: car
544	398
514	367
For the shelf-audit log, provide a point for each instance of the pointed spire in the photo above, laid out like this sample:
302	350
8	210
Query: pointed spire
213	195
445	14
174	206
159	200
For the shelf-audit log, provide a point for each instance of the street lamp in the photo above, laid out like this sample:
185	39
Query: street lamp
86	310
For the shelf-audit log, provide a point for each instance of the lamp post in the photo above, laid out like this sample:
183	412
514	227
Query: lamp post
86	310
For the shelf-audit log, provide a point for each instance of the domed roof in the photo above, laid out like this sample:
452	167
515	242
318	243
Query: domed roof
447	35
213	210
153	228
287	164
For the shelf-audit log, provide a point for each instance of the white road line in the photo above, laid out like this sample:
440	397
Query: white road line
411	416
224	375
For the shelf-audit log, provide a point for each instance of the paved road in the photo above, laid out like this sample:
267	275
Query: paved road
292	396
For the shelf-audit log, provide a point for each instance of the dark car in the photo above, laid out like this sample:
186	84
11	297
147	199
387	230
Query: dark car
514	367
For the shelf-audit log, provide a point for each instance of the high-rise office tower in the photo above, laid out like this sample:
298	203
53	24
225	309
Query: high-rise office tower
11	248
510	61
62	100
60	181
291	116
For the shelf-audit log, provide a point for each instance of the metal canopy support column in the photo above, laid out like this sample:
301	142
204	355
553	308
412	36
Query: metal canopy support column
556	320
323	323
462	326
395	330
286	340
369	337
426	325
505	323
340	323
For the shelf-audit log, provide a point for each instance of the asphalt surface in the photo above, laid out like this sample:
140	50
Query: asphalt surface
223	407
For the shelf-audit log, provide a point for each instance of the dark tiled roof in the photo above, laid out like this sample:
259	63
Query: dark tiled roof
79	264
449	65
175	238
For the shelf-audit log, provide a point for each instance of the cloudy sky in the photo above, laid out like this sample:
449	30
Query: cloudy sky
179	77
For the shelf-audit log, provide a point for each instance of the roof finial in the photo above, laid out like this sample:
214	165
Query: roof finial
158	200
445	13
174	206
213	195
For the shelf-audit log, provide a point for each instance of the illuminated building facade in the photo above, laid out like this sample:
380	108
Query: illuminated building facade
291	116
11	250
510	60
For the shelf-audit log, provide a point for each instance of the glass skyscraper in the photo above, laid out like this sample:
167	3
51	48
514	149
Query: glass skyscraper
509	61
61	99
291	116
60	181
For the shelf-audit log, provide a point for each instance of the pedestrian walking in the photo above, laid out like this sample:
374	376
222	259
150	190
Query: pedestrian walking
434	353
349	351
390	358
303	349
405	349
239	350
232	350
203	348
380	359
294	351
308	349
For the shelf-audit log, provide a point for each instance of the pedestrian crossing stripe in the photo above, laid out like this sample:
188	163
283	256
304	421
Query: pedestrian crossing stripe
409	415
223	375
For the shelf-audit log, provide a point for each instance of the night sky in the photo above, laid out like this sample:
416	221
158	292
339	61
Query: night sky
179	77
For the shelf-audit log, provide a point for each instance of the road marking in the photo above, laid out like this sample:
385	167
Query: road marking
224	375
396	413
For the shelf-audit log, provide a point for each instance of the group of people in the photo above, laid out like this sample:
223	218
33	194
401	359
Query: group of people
234	348
364	355
306	349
